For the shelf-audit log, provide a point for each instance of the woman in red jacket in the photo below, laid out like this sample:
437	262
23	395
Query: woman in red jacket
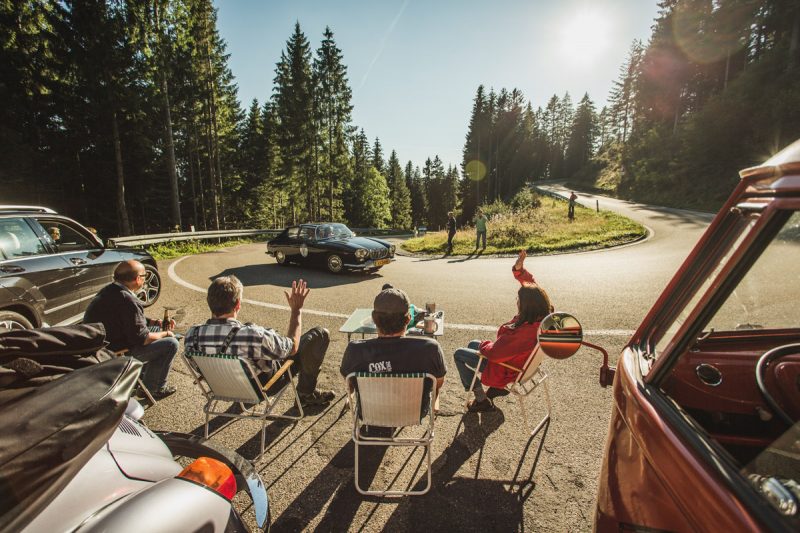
515	340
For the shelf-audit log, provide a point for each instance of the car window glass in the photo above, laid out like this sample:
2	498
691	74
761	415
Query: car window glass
669	334
340	231
17	239
64	237
292	232
306	232
759	302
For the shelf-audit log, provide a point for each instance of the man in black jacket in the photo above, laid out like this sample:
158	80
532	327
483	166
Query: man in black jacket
120	311
451	231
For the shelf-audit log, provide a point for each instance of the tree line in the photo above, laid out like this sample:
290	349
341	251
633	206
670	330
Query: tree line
124	114
716	89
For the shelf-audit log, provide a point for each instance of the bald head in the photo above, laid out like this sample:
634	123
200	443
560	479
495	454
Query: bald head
127	271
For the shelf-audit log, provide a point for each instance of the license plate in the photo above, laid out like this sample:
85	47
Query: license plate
381	262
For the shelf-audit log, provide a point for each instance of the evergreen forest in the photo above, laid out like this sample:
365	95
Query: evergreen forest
124	114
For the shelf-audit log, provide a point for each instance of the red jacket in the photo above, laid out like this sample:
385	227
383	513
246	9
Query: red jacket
512	346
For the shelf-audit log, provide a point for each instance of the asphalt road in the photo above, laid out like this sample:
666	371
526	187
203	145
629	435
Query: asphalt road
488	472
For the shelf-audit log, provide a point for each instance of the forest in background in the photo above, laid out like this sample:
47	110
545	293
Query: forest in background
124	115
716	89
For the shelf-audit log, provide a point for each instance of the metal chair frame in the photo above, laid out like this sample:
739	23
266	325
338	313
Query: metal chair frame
527	381
139	381
409	405
252	394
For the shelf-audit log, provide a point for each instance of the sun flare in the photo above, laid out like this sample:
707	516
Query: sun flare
584	36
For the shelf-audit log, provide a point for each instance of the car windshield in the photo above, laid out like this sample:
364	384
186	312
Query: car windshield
333	231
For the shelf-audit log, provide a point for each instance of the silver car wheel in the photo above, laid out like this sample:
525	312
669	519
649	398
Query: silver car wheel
151	288
335	263
280	257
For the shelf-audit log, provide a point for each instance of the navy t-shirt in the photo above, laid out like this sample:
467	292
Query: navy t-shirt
394	355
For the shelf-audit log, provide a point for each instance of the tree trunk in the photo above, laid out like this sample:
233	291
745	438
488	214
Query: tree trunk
793	41
171	165
122	209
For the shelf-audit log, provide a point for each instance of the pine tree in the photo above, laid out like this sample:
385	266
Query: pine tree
293	99
400	196
377	157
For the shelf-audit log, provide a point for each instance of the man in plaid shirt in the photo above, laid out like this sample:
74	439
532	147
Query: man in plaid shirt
264	347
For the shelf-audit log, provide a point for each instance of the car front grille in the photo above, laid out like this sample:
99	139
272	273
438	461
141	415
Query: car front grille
378	254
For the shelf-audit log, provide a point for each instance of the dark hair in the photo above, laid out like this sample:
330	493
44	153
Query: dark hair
223	293
390	323
534	305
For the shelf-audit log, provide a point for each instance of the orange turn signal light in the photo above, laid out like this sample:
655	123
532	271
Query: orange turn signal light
212	474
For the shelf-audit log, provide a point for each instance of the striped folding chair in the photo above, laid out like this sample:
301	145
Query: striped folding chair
392	401
528	379
229	378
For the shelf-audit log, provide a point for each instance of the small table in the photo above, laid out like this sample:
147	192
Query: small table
360	321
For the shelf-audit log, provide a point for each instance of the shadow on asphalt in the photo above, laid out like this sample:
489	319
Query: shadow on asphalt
677	216
448	506
282	276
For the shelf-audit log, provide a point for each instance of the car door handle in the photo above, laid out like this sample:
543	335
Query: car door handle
77	261
11	269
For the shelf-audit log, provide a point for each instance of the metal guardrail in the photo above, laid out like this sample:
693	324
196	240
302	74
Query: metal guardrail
144	240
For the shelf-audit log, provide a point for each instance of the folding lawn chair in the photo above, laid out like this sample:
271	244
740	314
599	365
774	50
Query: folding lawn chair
527	380
392	401
229	378
139	381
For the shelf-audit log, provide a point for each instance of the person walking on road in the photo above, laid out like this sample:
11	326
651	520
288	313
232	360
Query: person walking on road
571	208
451	231
480	228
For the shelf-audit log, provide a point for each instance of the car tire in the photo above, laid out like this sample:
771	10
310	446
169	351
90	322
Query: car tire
335	263
151	289
281	258
11	321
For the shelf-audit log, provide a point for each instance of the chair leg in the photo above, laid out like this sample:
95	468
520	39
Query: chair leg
524	411
472	385
263	431
146	392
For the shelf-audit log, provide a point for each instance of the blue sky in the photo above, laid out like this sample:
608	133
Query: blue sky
414	65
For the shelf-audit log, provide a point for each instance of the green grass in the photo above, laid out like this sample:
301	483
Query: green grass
171	250
544	230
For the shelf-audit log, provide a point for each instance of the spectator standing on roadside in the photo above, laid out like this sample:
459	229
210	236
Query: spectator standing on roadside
480	229
121	313
451	231
571	208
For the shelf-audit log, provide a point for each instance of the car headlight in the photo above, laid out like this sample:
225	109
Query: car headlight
391	250
362	254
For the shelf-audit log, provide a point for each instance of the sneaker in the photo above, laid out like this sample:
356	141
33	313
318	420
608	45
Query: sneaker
481	406
317	397
167	390
494	392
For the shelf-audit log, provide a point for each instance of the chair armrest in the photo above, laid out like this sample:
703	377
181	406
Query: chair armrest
481	356
281	371
121	352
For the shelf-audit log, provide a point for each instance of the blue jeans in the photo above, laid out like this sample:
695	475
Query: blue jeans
465	358
157	356
481	235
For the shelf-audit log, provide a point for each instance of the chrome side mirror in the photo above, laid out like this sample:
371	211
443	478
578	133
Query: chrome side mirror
560	335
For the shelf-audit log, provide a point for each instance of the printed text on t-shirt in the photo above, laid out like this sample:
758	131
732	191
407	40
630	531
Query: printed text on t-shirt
381	366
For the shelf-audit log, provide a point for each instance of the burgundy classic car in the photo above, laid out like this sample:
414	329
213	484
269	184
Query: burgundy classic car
704	435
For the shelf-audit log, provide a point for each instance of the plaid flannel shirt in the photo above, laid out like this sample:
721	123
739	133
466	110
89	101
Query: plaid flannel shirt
260	345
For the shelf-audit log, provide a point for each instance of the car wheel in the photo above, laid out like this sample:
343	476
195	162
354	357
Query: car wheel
280	257
335	263
151	289
11	321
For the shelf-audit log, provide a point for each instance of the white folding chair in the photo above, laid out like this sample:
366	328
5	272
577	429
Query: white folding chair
392	401
527	380
229	378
